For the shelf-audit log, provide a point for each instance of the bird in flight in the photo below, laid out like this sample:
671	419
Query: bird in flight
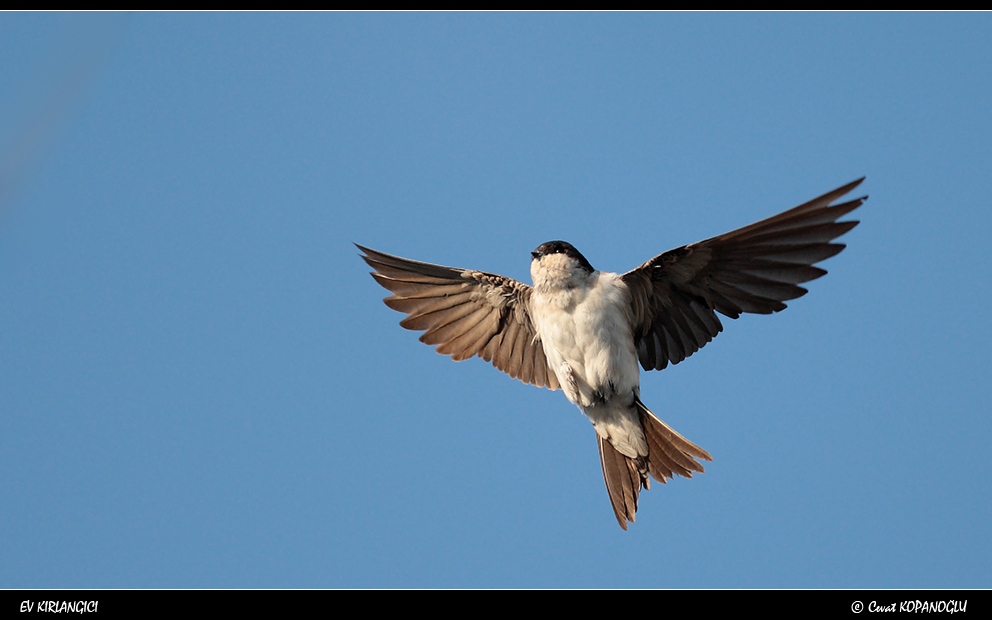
585	331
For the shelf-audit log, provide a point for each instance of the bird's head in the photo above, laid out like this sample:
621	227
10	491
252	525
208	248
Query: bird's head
557	264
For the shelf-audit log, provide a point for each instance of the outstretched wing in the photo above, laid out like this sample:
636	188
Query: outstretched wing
466	313
757	268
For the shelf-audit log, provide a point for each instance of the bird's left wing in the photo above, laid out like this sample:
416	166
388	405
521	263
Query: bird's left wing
466	313
757	268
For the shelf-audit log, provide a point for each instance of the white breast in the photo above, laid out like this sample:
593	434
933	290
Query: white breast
587	337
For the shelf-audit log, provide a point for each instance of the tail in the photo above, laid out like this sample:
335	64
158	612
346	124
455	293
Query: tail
624	477
668	454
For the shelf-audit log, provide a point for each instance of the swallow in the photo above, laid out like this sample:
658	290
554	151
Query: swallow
586	331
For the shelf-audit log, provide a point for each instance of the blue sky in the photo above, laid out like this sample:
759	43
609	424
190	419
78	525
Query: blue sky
200	386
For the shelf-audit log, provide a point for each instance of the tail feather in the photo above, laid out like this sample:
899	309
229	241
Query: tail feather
665	436
668	454
624	477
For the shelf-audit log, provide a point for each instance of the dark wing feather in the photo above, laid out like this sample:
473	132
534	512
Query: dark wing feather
465	313
676	295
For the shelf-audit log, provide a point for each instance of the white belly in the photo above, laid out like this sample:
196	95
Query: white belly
588	341
589	344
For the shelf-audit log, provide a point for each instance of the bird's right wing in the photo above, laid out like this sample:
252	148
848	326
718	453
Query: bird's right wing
466	313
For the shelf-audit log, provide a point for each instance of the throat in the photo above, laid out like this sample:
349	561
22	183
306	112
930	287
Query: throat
562	280
559	273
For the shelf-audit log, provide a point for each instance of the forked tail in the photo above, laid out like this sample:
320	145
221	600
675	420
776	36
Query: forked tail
668	454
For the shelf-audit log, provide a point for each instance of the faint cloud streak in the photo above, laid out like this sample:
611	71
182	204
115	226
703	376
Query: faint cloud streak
34	112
